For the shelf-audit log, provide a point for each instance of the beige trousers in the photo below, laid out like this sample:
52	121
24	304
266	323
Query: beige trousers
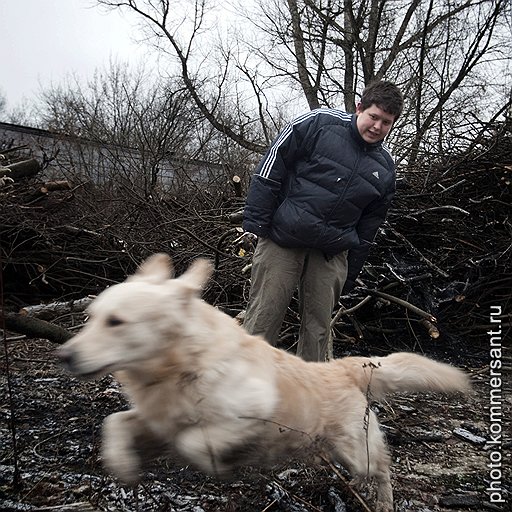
276	274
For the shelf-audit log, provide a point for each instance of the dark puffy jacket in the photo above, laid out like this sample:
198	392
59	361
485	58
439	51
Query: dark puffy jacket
321	186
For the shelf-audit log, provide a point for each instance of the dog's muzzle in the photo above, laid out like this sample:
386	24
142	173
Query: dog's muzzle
67	359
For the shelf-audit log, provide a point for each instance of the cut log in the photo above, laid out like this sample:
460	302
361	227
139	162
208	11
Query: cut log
35	328
24	169
237	185
432	329
55	309
51	186
236	217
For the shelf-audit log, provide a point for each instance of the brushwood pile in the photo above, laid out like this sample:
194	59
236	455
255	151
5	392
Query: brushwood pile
446	247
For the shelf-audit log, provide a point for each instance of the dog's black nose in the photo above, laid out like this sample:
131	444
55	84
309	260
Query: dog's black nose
66	357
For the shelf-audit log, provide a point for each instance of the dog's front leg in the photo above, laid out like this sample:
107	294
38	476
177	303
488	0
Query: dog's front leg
119	448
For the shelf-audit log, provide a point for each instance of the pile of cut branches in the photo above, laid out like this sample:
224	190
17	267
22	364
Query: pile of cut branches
447	246
440	262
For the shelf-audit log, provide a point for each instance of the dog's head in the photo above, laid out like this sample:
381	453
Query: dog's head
135	321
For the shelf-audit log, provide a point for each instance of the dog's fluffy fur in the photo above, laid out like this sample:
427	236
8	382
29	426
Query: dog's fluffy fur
203	387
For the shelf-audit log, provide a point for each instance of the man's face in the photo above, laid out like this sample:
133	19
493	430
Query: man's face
373	123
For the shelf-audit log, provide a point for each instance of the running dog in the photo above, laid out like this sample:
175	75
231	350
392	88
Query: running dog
205	389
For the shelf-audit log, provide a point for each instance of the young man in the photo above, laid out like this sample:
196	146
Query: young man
316	202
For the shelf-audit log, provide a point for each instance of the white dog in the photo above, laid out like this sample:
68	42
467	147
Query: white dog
205	389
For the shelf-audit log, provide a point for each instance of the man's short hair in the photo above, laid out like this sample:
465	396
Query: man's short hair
386	95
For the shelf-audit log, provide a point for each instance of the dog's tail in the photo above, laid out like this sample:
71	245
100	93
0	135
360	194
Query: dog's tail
403	371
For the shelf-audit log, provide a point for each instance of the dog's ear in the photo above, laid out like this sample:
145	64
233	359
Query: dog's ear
158	268
197	274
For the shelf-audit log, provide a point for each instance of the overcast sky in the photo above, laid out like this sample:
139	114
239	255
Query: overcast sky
43	41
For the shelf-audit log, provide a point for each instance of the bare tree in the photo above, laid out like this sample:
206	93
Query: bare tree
444	55
322	52
160	20
138	124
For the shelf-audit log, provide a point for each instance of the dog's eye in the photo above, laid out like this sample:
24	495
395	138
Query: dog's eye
113	321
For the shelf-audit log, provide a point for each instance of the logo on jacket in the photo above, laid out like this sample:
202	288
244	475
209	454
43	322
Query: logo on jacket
376	174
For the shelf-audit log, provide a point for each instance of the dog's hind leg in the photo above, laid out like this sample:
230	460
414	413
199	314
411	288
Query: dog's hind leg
126	444
361	447
380	462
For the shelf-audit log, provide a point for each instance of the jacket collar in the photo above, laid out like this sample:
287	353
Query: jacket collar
357	136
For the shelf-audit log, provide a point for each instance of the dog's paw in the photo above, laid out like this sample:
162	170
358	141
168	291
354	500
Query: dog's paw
118	451
384	507
123	464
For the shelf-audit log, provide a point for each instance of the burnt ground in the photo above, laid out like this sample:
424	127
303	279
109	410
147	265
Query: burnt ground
58	420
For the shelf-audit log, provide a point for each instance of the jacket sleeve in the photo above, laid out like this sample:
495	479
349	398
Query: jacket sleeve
372	218
264	194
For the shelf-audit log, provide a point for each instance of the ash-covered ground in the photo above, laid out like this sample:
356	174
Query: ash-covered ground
49	455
